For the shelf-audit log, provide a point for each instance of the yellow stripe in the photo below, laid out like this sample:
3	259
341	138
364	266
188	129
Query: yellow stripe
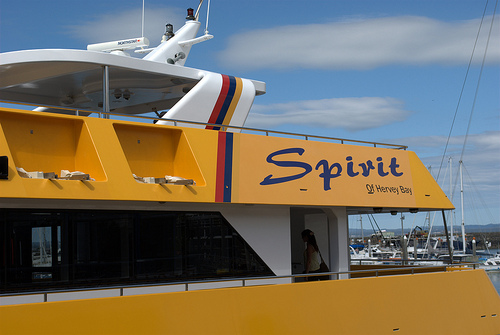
234	102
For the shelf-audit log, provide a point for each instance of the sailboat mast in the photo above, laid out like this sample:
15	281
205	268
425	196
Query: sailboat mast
462	205
362	233
451	199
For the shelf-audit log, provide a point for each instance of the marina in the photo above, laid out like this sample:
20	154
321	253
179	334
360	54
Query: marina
117	221
495	279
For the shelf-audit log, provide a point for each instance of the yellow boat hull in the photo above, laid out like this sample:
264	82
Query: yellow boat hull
433	303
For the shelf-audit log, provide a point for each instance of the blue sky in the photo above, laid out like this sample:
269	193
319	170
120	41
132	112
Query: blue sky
384	71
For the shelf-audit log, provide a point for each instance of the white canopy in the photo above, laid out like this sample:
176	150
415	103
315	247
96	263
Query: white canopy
74	79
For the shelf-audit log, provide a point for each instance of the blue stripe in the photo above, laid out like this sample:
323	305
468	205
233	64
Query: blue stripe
227	101
228	170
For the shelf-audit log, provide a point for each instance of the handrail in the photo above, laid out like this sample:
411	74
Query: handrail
265	131
409	261
340	275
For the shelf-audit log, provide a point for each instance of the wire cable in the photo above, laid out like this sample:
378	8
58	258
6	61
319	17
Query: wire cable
462	90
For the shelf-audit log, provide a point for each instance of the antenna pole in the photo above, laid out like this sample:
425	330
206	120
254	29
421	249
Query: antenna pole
208	12
451	211
142	35
462	207
198	10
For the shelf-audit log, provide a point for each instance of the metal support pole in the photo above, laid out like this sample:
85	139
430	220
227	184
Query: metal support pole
464	245
450	250
105	91
415	247
405	250
362	232
451	211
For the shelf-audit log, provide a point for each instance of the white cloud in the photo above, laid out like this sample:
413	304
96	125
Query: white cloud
481	170
352	114
481	154
488	142
361	44
127	24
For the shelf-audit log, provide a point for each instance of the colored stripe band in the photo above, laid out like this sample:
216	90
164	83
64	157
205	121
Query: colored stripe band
224	174
221	156
228	169
234	102
226	102
220	101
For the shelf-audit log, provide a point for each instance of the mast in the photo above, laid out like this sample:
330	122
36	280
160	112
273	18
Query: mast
428	220
462	205
142	31
362	233
451	199
404	250
426	252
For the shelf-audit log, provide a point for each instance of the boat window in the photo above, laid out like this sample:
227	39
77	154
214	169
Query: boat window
70	248
41	243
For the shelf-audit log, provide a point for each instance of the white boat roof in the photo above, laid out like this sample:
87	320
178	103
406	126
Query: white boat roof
73	79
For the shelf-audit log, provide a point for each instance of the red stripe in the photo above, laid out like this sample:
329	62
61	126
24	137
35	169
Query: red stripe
220	101
221	154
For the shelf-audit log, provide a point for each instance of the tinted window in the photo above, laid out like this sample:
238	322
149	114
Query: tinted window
51	249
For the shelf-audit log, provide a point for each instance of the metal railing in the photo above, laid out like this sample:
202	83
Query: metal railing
245	281
407	262
267	132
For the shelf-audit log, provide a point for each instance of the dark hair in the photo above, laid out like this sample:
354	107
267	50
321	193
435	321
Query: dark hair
310	238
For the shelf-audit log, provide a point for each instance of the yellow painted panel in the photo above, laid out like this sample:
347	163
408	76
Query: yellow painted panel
186	165
291	171
427	191
306	172
51	144
263	170
153	151
463	302
92	146
238	178
5	151
149	152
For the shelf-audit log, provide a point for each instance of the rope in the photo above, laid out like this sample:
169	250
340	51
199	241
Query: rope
479	80
463	88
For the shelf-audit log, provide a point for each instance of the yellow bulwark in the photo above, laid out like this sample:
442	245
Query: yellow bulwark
383	305
118	156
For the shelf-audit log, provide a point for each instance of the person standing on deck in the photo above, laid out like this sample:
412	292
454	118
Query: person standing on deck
312	258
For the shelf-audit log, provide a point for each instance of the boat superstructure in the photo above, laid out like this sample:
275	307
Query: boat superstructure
117	226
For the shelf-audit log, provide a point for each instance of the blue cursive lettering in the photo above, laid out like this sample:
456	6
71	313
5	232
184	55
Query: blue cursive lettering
326	170
269	180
